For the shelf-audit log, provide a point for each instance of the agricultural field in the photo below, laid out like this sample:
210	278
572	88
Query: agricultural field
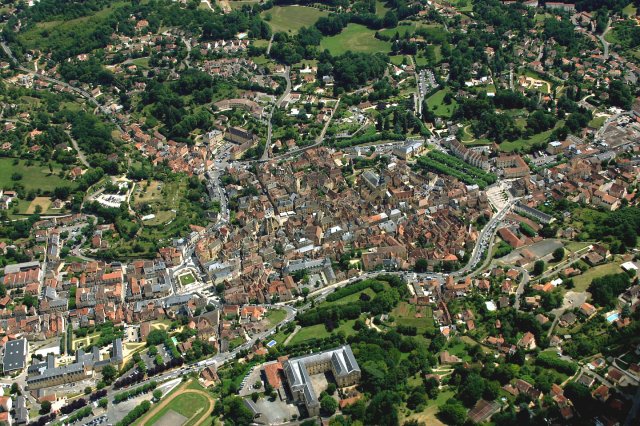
356	38
290	19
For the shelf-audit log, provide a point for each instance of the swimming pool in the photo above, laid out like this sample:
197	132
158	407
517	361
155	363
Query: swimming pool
613	317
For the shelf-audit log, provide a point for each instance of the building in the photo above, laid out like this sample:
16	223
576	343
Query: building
15	355
410	149
239	136
298	372
47	374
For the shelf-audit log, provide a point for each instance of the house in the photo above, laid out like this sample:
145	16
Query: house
587	309
527	342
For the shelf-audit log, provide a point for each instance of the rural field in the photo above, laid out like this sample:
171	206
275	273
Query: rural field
356	38
437	105
292	18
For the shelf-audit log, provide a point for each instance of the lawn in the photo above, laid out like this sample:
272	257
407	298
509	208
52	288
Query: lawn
436	104
583	281
275	316
187	279
510	146
188	404
428	416
34	177
381	9
405	314
356	38
292	18
629	10
43	202
141	62
597	122
319	331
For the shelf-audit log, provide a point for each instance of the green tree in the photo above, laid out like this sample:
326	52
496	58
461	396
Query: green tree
328	404
421	265
452	413
45	407
558	254
103	403
157	394
538	267
109	374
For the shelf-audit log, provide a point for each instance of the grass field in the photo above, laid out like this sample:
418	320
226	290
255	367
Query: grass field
428	416
597	122
405	314
188	401
319	332
583	281
187	279
356	38
629	10
141	62
275	316
436	104
34	177
381	9
43	202
292	18
510	146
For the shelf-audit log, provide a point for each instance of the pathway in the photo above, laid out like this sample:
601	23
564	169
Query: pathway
288	339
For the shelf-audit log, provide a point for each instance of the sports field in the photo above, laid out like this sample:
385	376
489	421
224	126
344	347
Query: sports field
356	38
292	18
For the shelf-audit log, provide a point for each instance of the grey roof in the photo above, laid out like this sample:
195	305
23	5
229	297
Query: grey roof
15	355
295	369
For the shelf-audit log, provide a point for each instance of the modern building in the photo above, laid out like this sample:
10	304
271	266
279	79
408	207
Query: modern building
15	355
298	372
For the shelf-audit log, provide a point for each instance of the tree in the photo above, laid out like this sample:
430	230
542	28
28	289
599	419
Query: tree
109	374
45	407
331	388
87	390
15	389
103	403
255	396
558	254
421	265
452	413
538	267
328	404
157	394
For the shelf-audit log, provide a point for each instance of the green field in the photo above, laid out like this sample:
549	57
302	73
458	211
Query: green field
510	146
629	10
381	9
187	279
319	331
45	35
436	104
275	316
597	122
190	405
405	313
583	281
356	38
292	18
34	177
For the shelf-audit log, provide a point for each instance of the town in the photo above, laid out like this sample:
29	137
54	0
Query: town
347	212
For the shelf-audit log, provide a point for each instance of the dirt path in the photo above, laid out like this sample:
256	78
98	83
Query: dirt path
180	390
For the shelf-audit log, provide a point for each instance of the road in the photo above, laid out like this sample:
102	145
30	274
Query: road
605	43
278	103
81	156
